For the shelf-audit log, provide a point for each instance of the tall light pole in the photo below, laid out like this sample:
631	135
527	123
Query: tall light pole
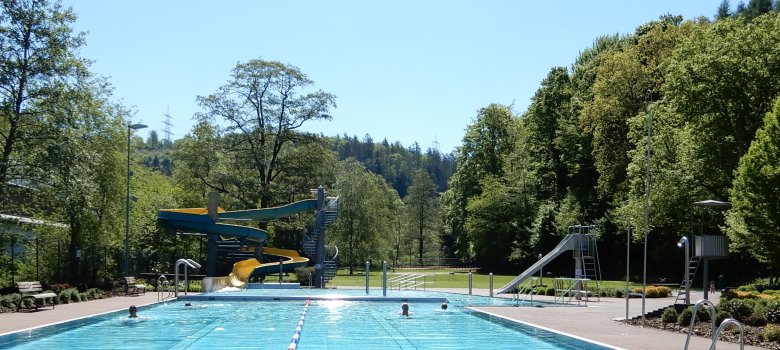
130	128
647	199
684	243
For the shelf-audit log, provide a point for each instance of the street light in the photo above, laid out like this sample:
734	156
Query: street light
684	243
130	128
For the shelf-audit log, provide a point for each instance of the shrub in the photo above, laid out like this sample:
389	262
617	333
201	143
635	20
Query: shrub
94	293
664	291
195	287
738	308
684	319
721	315
619	293
11	301
74	295
770	333
654	291
728	294
83	297
550	291
64	296
302	275
756	319
57	288
651	292
670	315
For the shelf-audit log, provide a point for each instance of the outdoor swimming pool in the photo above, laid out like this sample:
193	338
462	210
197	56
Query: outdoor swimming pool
328	324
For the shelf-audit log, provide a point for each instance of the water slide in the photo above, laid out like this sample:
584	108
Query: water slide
567	243
198	220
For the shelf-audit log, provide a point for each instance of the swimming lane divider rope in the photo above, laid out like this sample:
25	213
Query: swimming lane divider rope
298	328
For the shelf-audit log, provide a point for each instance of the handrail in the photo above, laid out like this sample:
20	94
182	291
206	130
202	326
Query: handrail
711	308
188	263
722	326
163	286
530	293
581	290
407	281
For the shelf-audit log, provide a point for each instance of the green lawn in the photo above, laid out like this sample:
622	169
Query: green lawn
439	278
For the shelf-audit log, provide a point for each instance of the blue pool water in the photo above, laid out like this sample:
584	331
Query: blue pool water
329	324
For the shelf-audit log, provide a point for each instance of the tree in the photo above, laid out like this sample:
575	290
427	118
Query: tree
549	107
757	8
724	10
483	154
81	172
264	104
721	80
38	59
753	223
422	209
366	213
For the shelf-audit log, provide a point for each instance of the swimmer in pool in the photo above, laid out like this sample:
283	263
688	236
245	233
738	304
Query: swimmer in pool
405	310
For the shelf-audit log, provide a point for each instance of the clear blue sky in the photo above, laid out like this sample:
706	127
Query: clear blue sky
401	70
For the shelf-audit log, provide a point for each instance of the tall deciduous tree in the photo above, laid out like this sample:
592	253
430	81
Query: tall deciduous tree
721	80
365	225
753	221
81	172
264	104
483	154
38	59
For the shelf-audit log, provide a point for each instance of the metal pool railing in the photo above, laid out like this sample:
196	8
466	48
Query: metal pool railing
408	281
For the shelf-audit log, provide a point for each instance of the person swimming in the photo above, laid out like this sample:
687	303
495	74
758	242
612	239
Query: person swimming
133	311
444	305
405	309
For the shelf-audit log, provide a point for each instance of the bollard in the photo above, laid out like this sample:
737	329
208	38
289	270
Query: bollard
367	266
469	282
384	278
281	271
491	284
310	286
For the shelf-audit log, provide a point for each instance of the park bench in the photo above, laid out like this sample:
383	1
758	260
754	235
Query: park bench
34	290
132	287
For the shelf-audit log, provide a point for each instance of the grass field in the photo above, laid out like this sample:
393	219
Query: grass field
438	278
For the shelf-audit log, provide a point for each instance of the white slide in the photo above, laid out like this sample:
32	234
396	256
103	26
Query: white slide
567	243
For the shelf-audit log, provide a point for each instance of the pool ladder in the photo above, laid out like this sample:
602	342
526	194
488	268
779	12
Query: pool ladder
715	332
163	286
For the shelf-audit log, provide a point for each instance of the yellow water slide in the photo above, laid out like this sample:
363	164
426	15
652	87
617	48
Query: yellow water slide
243	269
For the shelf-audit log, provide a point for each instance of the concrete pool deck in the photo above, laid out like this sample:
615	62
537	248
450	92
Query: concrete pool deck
595	322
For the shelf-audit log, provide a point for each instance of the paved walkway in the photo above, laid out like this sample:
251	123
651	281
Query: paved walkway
597	322
594	322
16	321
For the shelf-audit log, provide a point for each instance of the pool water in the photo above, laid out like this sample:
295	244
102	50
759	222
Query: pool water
328	324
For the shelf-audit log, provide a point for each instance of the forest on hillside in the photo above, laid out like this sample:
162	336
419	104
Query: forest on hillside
648	122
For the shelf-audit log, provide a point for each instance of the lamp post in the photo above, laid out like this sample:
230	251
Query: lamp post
684	243
647	200
130	128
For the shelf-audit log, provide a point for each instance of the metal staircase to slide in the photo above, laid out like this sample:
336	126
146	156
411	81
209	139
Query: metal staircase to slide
309	245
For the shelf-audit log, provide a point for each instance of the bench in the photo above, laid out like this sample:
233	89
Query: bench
34	290
132	287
